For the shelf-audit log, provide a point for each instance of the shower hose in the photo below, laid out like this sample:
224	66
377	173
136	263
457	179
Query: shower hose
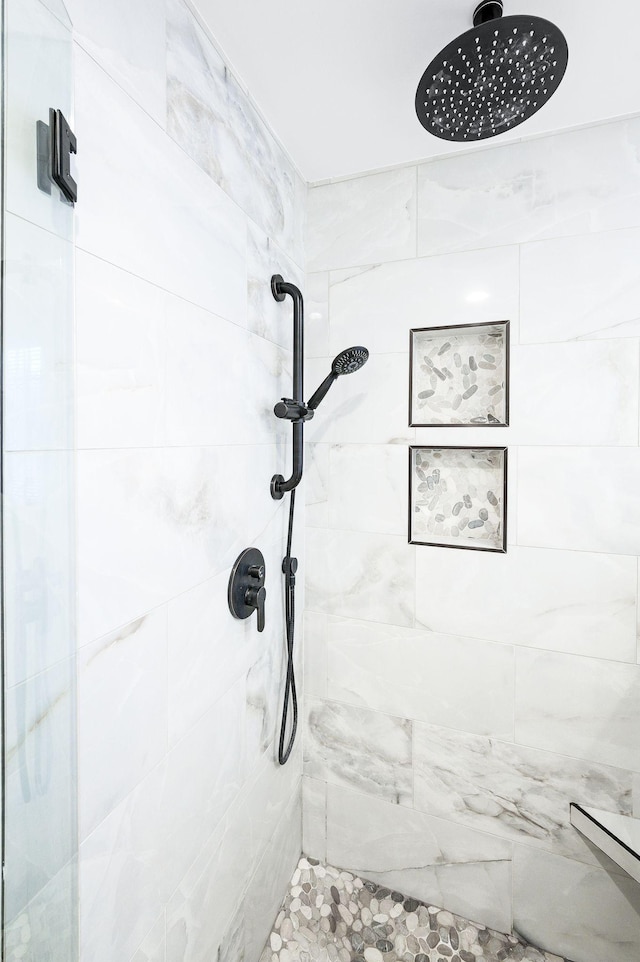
289	567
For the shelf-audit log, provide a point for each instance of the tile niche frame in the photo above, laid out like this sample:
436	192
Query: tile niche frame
501	548
443	329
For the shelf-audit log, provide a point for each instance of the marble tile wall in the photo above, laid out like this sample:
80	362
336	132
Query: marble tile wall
187	206
458	701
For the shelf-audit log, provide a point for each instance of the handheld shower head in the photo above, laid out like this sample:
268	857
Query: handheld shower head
346	362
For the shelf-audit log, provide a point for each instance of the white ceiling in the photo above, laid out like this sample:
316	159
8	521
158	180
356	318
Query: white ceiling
336	80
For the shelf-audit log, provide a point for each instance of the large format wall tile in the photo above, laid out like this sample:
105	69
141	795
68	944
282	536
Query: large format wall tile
122	714
165	520
357	575
511	791
561	600
126	876
362	221
580	498
314	817
254	374
266	316
213	120
208	895
367	407
576	393
582	707
368	488
388	299
128	40
563	293
364	750
121	357
428	858
421	675
535	188
171	197
269	881
579	911
208	651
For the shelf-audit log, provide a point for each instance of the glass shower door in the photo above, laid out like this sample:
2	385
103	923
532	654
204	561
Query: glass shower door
38	541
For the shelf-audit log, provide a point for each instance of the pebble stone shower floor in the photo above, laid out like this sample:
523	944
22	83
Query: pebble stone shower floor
334	915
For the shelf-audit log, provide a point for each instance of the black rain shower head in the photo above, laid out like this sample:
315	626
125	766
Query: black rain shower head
345	363
493	77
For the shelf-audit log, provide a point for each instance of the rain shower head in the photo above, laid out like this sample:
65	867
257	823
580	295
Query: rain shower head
493	77
346	362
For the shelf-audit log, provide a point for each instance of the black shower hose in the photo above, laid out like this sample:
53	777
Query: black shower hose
289	566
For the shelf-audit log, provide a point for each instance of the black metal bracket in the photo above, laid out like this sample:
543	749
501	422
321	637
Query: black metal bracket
247	592
63	143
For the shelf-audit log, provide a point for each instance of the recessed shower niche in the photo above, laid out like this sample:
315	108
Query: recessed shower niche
459	375
458	497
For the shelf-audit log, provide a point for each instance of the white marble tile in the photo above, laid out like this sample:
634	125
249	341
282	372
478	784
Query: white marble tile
314	818
128	40
366	407
265	680
361	221
39	74
152	947
364	750
131	864
315	654
422	675
222	381
360	575
121	357
316	331
571	601
316	484
580	287
575	910
580	498
122	714
531	189
368	488
577	393
267	794
428	858
636	795
172	198
514	792
231	949
212	118
269	882
220	736
38	545
266	316
209	651
40	783
581	707
154	523
37	338
208	896
379	304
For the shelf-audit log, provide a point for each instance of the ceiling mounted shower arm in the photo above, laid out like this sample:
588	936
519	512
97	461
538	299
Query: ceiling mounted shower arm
280	288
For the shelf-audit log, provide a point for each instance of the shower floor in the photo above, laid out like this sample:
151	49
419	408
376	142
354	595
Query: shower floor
331	914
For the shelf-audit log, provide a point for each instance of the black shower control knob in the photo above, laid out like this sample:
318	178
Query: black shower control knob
255	598
257	571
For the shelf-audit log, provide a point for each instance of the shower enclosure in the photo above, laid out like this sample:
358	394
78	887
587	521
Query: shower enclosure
38	633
